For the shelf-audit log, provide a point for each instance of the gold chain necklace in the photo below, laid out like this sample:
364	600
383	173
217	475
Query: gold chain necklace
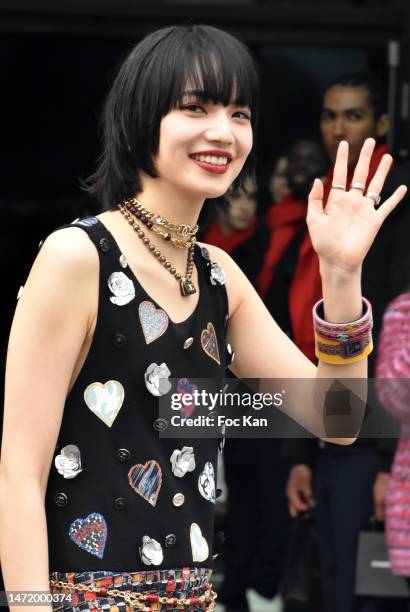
184	233
186	285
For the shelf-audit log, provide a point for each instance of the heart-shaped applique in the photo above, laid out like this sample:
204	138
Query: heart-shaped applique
105	400
206	482
186	390
90	533
146	480
209	343
154	321
199	545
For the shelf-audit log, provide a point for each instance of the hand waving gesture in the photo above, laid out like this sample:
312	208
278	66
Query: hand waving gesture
343	231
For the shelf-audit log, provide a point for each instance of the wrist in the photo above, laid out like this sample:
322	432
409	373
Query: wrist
336	275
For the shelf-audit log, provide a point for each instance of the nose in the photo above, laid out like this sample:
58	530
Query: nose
339	128
220	128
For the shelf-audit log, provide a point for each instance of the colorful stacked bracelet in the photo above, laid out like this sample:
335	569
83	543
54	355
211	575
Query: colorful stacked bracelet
343	343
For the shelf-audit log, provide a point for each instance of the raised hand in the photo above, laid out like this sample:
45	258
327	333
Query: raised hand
343	230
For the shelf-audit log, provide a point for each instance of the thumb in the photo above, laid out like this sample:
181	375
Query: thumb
315	200
308	494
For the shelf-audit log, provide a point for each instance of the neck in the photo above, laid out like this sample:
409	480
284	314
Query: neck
171	204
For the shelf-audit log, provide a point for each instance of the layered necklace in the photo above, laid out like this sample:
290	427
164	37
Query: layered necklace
181	235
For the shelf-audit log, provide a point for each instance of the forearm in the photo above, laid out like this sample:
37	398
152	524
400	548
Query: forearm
23	538
343	303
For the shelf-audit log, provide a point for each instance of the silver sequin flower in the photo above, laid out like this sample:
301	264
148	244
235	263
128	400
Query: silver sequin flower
156	379
68	462
183	461
217	275
205	253
151	551
122	287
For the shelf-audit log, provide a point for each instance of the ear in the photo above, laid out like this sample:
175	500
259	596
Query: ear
382	126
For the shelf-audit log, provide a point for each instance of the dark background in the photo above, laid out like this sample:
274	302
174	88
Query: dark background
57	59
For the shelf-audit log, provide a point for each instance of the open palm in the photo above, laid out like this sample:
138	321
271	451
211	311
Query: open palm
343	230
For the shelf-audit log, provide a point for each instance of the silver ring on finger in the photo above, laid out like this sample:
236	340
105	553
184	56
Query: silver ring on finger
336	186
373	196
358	185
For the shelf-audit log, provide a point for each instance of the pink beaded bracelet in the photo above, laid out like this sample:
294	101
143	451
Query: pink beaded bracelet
343	343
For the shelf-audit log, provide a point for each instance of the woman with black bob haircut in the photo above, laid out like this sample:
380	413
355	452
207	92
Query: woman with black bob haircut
110	502
150	83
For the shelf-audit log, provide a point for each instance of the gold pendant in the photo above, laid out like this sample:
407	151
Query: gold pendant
187	286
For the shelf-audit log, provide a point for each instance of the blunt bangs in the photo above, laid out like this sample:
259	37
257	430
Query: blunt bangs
151	82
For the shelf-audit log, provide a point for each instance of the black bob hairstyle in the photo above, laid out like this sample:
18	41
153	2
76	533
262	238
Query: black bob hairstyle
149	84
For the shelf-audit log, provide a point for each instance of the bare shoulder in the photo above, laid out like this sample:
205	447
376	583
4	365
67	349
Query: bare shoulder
68	247
237	285
64	274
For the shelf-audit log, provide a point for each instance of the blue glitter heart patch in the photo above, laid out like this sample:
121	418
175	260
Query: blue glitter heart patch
90	533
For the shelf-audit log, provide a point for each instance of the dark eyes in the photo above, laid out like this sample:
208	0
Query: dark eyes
354	116
196	108
327	116
351	116
243	115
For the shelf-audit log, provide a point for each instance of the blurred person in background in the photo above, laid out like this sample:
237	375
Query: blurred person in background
242	232
340	481
287	222
278	185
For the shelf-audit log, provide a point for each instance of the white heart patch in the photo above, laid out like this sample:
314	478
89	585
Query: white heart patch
206	482
105	400
199	545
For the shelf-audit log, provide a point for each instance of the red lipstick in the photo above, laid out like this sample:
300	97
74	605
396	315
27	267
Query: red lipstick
209	167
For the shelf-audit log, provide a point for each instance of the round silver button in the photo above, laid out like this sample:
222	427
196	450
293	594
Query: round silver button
178	499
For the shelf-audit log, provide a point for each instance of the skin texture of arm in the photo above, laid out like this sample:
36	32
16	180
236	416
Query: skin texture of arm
264	351
50	327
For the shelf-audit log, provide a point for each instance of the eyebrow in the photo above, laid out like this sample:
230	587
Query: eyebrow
195	93
199	94
346	110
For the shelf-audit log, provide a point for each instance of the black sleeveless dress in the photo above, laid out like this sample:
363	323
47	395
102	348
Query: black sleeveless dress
120	496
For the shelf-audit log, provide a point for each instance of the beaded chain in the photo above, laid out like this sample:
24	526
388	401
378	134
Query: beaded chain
186	285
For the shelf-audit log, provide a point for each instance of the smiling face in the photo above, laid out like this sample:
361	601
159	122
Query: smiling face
203	146
347	114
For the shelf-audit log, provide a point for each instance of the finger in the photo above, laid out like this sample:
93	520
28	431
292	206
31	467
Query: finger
362	167
309	498
340	168
377	182
390	204
292	511
315	199
298	502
